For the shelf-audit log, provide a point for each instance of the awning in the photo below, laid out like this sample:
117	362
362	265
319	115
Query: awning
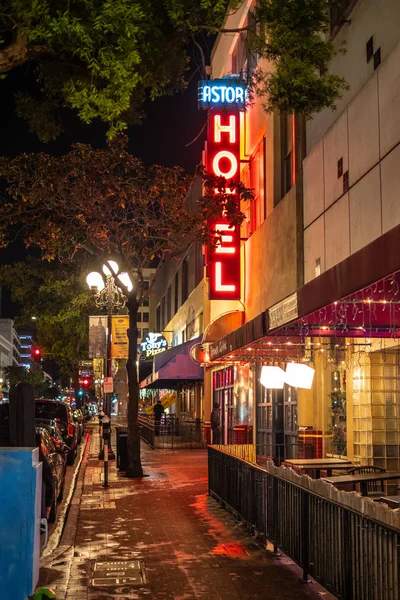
359	297
174	368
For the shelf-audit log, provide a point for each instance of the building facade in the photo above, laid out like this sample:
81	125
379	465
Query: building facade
320	258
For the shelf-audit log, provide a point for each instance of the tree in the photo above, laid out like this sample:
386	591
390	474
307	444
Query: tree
103	59
290	34
92	205
100	58
293	36
56	296
34	376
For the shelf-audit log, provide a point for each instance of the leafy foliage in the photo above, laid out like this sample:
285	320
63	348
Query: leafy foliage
292	35
101	58
56	296
34	376
91	204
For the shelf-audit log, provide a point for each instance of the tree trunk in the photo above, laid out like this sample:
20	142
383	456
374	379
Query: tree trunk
134	468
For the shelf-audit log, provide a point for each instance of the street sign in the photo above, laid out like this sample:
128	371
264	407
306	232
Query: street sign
108	385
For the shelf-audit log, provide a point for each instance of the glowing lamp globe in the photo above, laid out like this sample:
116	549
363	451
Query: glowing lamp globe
95	281
126	280
272	378
111	264
299	375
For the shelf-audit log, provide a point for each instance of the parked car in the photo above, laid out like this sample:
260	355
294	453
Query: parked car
56	460
56	409
53	427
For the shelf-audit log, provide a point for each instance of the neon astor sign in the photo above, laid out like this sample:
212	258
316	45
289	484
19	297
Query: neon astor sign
223	160
222	92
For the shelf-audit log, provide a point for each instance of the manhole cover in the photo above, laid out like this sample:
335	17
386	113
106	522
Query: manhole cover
130	572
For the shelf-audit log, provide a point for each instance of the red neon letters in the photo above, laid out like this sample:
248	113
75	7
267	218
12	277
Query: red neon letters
223	159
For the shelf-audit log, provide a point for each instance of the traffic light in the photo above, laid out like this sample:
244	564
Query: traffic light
80	392
86	382
36	353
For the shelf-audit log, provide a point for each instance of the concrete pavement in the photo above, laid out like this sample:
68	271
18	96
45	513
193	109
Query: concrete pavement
162	537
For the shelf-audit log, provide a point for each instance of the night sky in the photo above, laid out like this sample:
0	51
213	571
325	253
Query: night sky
170	124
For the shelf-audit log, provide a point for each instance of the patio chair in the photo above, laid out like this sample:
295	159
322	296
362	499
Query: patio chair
374	488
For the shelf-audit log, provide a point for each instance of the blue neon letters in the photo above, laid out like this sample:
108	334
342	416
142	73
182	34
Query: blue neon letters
221	92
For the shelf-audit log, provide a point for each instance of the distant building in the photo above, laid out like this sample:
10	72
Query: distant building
9	346
26	344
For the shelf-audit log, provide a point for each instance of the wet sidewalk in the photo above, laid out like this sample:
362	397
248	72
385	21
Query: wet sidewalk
162	537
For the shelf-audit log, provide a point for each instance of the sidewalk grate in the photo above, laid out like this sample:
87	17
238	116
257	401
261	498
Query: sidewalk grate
118	573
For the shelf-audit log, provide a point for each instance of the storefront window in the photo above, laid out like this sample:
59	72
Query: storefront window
337	424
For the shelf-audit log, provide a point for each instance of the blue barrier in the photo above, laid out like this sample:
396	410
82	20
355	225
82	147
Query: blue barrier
20	509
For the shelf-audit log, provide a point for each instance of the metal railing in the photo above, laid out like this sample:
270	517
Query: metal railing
172	432
348	543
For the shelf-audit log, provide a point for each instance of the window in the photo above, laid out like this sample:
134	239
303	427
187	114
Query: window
146	301
286	153
162	313
377	58
345	181
158	318
370	48
145	331
145	317
139	317
340	167
169	304
139	333
176	292
243	59
185	281
257	173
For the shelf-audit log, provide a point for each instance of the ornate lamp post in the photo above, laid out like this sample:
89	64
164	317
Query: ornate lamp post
108	295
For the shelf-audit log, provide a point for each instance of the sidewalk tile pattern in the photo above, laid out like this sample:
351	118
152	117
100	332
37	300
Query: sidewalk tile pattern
191	548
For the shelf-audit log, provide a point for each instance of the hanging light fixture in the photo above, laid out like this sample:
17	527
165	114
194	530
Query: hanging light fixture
272	378
299	375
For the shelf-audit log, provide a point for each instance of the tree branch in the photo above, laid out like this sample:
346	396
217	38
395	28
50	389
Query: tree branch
20	52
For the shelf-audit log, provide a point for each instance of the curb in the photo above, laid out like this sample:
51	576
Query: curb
67	522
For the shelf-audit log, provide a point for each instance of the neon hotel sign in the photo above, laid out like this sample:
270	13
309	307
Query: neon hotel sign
224	98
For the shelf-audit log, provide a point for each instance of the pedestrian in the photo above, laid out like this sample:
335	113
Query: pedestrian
158	411
215	424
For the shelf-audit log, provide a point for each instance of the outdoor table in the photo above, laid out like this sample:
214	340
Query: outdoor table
391	501
319	464
362	479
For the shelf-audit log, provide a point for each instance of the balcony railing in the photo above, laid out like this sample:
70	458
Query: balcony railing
348	543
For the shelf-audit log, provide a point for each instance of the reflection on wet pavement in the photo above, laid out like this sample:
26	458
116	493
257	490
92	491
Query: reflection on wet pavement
188	546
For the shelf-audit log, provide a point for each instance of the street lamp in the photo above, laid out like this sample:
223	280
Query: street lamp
108	295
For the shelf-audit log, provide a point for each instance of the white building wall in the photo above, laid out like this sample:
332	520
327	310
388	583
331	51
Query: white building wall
366	136
377	18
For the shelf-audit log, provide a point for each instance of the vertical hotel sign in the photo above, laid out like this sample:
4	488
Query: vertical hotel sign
224	99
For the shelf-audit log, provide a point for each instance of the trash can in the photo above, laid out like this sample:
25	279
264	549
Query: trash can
122	448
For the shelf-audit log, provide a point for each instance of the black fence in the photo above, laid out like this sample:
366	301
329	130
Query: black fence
172	432
347	543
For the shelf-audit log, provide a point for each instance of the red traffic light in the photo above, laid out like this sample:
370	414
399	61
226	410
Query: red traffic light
36	353
86	382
